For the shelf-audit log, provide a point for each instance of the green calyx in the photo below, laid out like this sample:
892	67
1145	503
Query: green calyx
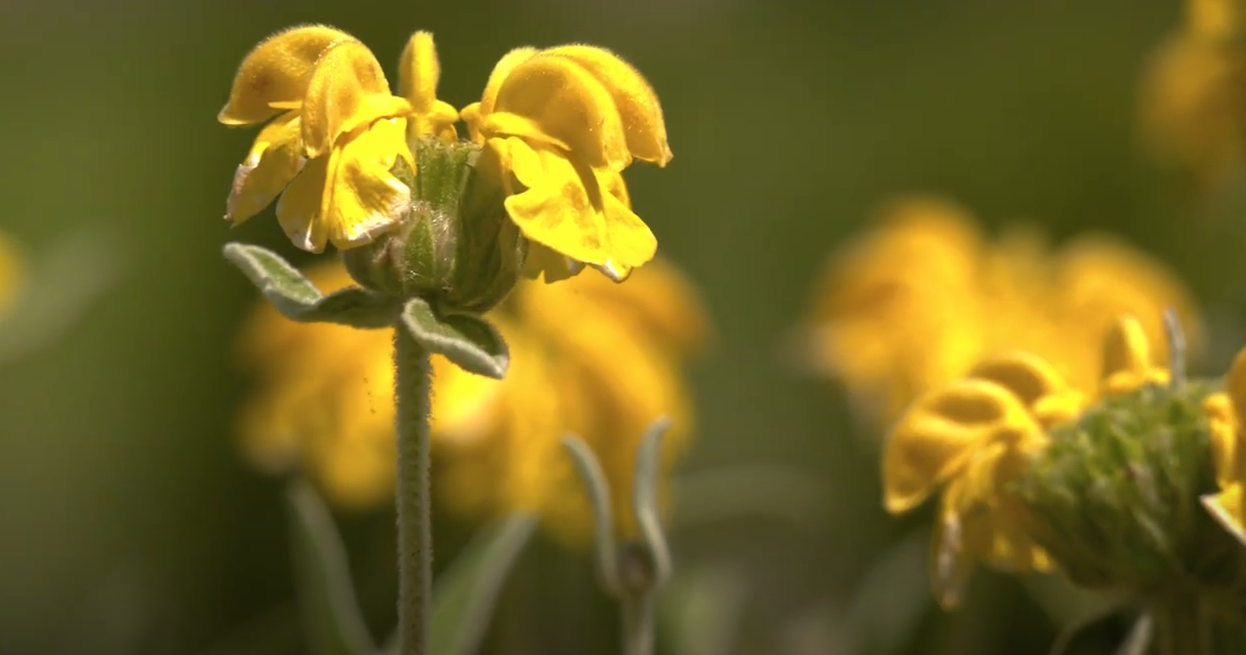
456	248
1114	497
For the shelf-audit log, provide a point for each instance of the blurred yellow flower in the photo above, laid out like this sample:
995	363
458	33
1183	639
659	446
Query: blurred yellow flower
587	356
1224	412
1193	108
565	122
331	152
974	436
915	302
11	273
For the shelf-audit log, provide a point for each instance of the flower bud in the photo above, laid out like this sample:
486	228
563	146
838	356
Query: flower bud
455	246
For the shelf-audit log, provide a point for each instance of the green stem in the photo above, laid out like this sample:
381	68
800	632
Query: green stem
637	623
415	539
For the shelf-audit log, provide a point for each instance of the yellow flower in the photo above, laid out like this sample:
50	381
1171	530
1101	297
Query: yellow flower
975	436
587	356
338	133
1224	412
1194	94
918	300
971	438
565	122
11	274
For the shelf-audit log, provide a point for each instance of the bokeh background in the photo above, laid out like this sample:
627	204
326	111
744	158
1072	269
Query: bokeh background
128	523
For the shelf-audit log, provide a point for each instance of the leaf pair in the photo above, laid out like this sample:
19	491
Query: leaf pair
465	339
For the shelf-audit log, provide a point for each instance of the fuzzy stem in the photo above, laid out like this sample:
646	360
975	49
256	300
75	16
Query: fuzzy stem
637	613
415	539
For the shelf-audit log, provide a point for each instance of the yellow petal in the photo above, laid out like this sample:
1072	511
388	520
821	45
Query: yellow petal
569	105
275	72
471	116
1227	508
419	71
347	90
1035	382
273	162
500	72
932	440
1223	438
363	199
1235	383
636	101
559	211
464	405
1127	358
298	210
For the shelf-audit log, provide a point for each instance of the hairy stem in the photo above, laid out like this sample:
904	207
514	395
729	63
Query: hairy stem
415	539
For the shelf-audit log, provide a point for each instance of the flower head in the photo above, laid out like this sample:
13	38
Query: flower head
336	148
918	300
565	122
586	356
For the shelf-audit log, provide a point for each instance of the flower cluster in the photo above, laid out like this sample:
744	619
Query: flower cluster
587	356
918	301
561	123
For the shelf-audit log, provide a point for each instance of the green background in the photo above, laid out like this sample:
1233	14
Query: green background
129	525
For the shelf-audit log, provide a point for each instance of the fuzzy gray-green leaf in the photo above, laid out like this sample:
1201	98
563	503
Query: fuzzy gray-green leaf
465	339
331	617
296	298
465	595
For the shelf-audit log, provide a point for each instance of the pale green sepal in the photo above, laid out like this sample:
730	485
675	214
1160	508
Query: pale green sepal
465	339
331	618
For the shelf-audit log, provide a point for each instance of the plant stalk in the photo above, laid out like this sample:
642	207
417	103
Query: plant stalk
415	539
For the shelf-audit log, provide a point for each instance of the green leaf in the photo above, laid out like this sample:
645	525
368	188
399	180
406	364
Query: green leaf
464	596
297	299
62	284
598	490
331	617
644	497
465	339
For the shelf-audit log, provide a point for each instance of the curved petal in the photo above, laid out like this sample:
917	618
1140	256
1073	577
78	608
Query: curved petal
363	199
273	162
1223	438
930	443
1035	382
559	211
471	116
569	105
1127	358
347	89
636	101
501	71
275	72
298	209
419	71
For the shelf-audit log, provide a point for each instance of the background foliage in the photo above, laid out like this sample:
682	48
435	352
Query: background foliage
129	523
